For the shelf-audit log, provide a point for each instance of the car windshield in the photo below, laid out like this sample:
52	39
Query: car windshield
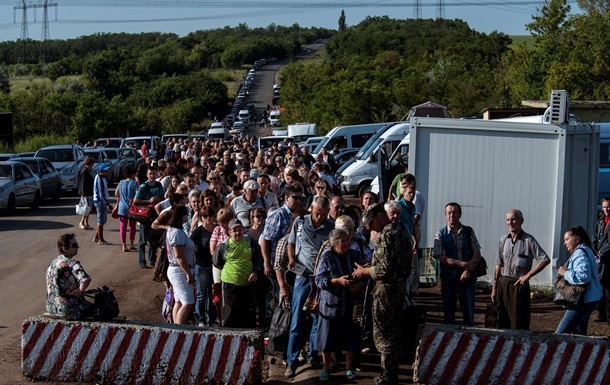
57	155
93	154
111	154
366	151
32	164
5	171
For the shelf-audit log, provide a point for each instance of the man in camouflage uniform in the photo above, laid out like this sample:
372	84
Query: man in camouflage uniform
390	269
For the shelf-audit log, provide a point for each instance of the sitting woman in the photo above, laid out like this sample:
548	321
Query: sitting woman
66	282
241	262
336	329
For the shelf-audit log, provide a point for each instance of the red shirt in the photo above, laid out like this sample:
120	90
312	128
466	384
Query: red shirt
144	150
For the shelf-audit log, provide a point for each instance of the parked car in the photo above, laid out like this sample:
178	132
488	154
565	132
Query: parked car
98	155
18	186
50	180
8	156
67	159
136	142
108	142
129	157
345	155
113	158
26	154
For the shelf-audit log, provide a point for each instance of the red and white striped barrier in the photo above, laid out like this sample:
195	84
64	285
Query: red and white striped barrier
130	353
452	355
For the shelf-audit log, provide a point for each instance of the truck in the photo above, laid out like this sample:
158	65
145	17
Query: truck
548	171
300	132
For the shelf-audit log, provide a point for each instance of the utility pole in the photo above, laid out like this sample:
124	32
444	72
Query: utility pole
45	32
24	30
440	10
417	9
44	4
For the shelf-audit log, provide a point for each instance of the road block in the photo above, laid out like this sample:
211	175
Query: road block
454	355
139	353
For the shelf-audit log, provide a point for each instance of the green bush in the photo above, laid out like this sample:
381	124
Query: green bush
33	143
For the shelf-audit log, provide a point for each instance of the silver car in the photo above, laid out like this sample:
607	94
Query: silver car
50	180
98	156
18	186
67	159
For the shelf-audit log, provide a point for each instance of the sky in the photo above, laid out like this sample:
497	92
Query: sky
84	17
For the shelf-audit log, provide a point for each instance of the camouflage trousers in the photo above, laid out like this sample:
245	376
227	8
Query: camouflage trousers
388	301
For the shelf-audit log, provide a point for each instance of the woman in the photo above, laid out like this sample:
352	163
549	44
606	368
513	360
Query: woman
320	189
336	329
102	205
367	199
601	246
258	216
85	190
125	192
173	184
205	309
580	269
240	260
67	281
181	255
207	199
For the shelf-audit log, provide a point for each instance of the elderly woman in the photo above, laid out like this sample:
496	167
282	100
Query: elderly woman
181	256
336	329
66	282
240	260
580	269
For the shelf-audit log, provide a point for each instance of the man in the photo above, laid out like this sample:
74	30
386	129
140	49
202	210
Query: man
517	252
264	182
308	159
393	210
390	269
200	183
190	180
244	176
144	150
337	203
149	192
601	246
408	218
458	250
394	191
305	240
249	200
228	162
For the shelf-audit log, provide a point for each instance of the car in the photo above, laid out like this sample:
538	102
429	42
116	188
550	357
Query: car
113	158
108	142
345	155
28	154
136	142
129	157
18	186
241	95
8	156
97	154
239	126
50	180
67	159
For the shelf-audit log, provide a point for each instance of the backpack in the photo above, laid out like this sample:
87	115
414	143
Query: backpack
105	305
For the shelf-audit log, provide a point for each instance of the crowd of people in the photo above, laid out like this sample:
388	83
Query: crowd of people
245	228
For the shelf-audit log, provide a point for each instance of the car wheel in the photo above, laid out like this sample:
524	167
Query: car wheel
363	188
36	203
11	205
57	193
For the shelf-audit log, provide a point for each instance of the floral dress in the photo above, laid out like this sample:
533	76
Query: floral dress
63	276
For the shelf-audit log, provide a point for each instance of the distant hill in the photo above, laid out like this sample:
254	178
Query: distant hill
527	39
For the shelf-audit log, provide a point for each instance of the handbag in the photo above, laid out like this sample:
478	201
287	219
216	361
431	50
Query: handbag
142	214
567	294
83	208
312	303
105	305
279	329
481	268
115	211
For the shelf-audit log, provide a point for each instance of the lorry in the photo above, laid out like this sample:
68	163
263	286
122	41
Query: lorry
548	171
300	132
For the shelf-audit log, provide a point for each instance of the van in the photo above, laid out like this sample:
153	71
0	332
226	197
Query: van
218	133
348	136
300	132
356	178
267	141
393	167
244	116
136	142
274	118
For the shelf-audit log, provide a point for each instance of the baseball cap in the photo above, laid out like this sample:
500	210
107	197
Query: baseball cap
103	167
233	223
371	212
254	174
251	185
239	155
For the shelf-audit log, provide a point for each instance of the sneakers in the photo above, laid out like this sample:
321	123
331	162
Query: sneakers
290	371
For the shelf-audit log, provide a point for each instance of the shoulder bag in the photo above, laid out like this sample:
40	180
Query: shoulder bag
567	294
83	208
144	214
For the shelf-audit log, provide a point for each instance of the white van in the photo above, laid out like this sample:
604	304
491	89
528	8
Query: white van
357	177
274	118
136	142
390	169
300	132
218	133
244	116
348	136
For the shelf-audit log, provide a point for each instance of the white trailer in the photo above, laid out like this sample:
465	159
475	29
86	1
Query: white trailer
547	171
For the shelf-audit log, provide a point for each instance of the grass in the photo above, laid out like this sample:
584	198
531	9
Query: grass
20	83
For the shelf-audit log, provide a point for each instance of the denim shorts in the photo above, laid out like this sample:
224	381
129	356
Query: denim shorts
102	213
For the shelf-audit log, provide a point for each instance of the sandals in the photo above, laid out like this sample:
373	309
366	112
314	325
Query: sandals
103	243
133	248
324	376
350	375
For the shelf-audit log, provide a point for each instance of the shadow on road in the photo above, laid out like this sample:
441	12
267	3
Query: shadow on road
24	224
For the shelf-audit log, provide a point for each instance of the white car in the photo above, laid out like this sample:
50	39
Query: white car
239	126
18	186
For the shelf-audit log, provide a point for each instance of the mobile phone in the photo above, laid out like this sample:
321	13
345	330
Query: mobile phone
299	269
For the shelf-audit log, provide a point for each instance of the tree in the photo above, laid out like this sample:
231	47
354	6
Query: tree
550	28
342	24
5	84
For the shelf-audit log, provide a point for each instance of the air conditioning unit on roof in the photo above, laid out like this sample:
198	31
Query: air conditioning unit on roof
560	109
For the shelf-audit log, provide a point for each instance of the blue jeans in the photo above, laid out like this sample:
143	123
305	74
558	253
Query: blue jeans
203	282
145	231
298	323
451	290
576	319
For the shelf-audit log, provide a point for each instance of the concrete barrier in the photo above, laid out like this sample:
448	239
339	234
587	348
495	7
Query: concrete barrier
453	355
139	353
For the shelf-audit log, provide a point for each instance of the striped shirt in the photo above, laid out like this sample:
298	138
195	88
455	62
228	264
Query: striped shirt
100	190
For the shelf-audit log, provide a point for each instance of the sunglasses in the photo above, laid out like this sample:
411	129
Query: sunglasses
320	188
74	246
297	197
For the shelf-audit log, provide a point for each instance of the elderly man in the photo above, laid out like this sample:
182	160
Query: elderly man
393	209
390	268
305	240
517	252
337	203
458	250
249	200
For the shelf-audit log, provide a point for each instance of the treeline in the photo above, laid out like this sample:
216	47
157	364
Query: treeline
153	82
376	70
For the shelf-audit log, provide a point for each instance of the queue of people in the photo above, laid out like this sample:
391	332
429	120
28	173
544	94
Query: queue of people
242	226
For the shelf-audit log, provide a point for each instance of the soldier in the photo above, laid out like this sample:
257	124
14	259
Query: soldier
390	270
